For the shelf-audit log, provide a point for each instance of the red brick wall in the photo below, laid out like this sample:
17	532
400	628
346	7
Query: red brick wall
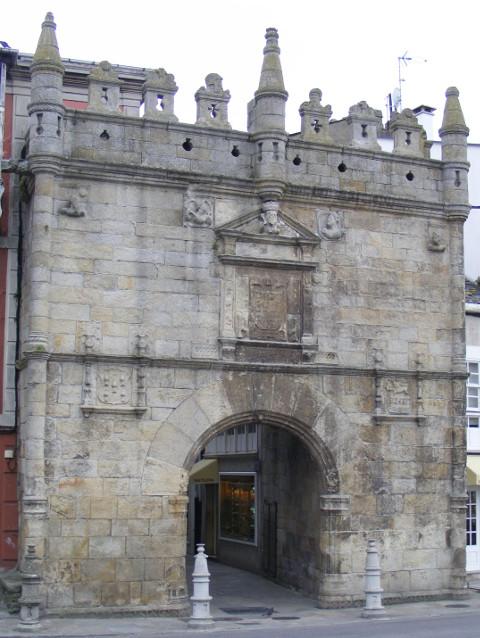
8	468
3	299
75	104
8	503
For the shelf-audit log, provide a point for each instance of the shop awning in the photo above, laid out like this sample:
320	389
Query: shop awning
205	471
473	470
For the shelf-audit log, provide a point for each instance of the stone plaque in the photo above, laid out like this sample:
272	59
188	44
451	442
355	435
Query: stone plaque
398	396
264	354
114	386
268	309
274	307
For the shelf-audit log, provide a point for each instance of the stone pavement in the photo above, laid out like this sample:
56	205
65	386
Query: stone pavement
240	601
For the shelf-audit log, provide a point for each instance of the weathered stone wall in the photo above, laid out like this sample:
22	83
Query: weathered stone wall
129	267
174	288
115	484
131	262
290	479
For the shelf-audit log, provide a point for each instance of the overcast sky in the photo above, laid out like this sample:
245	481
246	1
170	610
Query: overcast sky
348	49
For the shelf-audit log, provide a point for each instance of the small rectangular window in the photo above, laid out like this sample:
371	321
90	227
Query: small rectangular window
473	386
471	518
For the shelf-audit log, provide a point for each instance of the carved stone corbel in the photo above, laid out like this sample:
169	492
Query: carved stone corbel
436	241
77	205
332	227
198	209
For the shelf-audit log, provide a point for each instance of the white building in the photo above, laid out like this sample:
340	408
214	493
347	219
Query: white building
473	425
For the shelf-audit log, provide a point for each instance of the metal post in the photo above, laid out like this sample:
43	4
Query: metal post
30	599
373	590
201	598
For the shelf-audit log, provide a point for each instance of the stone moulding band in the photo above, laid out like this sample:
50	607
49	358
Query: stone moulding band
101	409
240	366
154	176
284	264
379	419
335	503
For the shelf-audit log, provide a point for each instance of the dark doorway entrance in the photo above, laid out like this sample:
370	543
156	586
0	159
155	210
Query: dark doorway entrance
260	509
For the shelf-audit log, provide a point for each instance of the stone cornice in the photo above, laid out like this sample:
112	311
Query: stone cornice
282	264
356	200
240	366
150	176
44	163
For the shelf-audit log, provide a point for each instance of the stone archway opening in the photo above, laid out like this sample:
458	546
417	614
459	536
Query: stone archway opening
255	489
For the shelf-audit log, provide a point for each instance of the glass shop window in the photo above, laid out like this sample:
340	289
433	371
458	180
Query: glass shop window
238	507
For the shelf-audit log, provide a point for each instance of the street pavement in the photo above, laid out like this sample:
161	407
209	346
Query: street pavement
245	605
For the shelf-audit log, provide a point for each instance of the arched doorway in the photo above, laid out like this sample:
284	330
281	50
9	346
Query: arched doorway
298	407
256	482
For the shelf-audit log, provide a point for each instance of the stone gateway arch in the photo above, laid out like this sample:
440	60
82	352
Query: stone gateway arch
240	400
250	335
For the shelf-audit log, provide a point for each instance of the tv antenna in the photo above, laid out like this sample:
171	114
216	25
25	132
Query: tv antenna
395	97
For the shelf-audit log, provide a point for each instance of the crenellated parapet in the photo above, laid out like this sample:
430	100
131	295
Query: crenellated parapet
212	103
407	134
315	119
266	157
104	88
360	128
158	94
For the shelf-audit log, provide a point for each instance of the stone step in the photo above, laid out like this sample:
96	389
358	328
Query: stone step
10	590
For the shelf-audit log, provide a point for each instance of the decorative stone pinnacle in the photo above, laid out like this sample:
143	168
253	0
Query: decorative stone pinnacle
47	51
160	79
453	120
362	109
271	36
407	117
271	77
213	84
104	72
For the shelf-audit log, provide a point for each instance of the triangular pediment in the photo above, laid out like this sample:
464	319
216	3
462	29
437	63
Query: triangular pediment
267	225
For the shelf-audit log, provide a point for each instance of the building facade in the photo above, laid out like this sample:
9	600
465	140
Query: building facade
8	319
185	287
473	425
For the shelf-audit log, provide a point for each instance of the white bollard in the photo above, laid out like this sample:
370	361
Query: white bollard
373	590
201	598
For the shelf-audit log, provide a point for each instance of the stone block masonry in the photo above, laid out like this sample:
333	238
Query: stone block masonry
182	279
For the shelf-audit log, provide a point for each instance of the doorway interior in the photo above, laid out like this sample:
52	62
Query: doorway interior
254	502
